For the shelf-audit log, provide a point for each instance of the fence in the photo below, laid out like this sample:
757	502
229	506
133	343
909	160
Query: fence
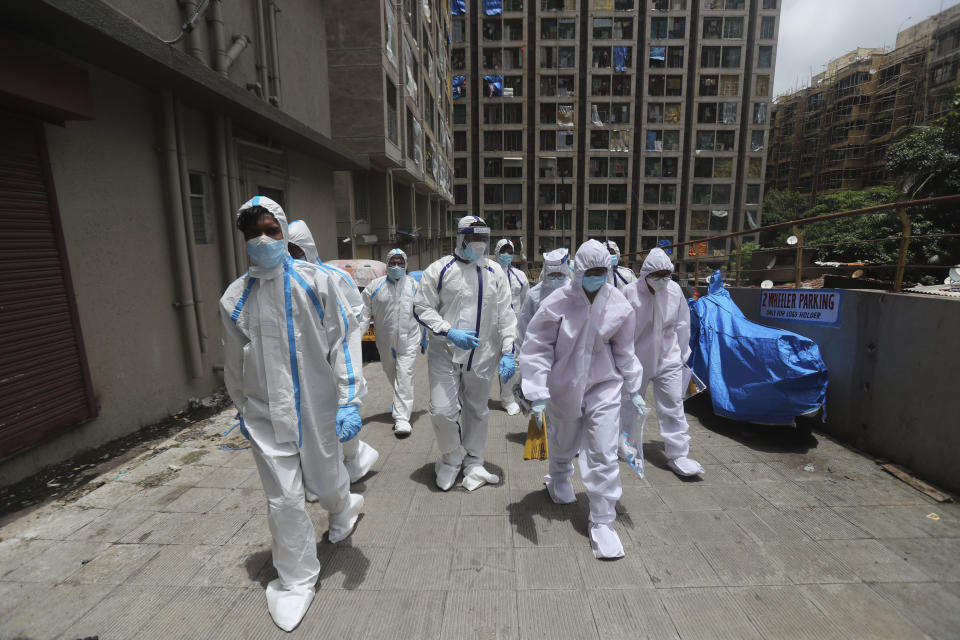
905	238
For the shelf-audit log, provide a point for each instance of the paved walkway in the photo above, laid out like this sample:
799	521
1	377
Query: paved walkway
779	540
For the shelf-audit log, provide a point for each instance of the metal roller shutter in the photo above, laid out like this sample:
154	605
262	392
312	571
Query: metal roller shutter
44	381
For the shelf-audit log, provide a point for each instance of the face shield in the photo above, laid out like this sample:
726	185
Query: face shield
473	239
556	269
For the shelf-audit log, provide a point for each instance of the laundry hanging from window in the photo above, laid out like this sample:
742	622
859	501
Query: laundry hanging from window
458	7
620	62
494	86
493	7
459	87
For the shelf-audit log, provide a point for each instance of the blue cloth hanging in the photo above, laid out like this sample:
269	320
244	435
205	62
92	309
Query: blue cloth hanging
458	86
493	7
754	373
652	141
620	58
658	53
665	245
458	7
497	82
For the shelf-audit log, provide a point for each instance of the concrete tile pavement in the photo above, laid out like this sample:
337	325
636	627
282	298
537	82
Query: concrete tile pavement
780	539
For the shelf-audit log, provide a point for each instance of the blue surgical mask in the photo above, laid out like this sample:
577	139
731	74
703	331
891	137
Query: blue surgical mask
593	283
396	273
265	252
474	251
555	283
614	259
504	259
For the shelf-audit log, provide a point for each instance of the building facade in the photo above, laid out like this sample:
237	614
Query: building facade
639	121
127	145
834	134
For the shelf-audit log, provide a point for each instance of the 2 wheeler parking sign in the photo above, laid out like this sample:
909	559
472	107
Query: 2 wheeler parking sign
812	306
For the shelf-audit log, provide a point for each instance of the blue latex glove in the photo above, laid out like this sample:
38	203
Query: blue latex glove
537	409
638	401
348	422
464	339
508	366
424	342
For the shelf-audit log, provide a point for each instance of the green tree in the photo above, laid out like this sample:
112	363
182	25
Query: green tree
780	205
926	160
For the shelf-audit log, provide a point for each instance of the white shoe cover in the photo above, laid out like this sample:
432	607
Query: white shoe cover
475	476
512	408
341	524
360	466
402	428
288	606
685	467
446	474
560	492
311	497
605	542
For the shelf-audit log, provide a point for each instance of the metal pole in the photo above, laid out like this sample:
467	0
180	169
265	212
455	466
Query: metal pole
737	242
904	245
798	261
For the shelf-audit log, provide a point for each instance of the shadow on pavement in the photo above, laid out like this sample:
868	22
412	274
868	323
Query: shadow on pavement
426	475
386	417
654	453
349	561
769	438
538	502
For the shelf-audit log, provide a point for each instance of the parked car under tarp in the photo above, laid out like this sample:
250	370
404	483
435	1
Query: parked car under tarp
753	372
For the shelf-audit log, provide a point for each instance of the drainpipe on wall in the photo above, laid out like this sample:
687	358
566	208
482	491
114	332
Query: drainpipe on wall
181	260
272	12
239	44
217	40
228	261
261	51
188	224
193	38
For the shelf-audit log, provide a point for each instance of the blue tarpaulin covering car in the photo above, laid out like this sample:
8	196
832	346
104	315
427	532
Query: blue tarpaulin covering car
754	373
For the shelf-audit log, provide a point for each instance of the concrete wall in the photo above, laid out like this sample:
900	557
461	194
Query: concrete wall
893	376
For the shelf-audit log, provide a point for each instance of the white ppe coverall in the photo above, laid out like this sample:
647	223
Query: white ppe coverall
358	456
662	344
578	356
389	303
553	262
468	295
619	276
288	366
519	289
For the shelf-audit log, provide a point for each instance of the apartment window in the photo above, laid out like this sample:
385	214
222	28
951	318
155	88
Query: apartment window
602	28
493	141
728	113
720	194
660	140
763	86
764	57
513	29
459	140
564	193
548	168
565	86
658	57
567	29
708	85
548	113
599	167
768	27
492	114
548	140
548	86
675	57
705	140
512	193
729	85
731	57
554	220
678	28
710	57
658	28
701	194
736	5
753	194
712	28
512	168
707	113
459	167
769	4
493	194
513	113
657	220
492	168
703	168
597	194
724	141
458	59
392	112
756	140
656	85
491	58
660	194
513	140
548	28
457	30
723	167
512	86
755	168
624	5
558	5
513	5
202	224
460	194
492	30
600	139
732	28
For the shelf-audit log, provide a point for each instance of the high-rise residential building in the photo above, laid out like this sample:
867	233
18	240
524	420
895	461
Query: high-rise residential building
834	133
639	121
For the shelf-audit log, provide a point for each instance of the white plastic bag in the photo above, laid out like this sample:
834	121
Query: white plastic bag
635	442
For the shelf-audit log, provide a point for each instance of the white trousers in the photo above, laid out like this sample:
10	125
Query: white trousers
284	470
594	435
458	409
506	390
668	400
399	370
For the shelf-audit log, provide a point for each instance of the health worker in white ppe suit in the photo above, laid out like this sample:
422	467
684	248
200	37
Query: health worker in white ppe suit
388	301
576	356
620	276
662	345
358	456
294	374
555	274
465	298
519	286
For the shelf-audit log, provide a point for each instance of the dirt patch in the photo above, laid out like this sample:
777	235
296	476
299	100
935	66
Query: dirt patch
71	479
193	456
157	479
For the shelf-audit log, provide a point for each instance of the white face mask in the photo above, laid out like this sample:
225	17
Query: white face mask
475	250
658	284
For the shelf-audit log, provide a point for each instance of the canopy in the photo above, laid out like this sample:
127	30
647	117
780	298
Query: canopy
754	373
